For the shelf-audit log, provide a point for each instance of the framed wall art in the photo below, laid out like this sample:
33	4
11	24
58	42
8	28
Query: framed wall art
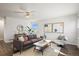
58	27
48	28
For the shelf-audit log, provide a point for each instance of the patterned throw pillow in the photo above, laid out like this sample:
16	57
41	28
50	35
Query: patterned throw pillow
21	38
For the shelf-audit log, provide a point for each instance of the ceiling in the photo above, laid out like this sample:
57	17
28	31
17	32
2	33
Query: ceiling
41	10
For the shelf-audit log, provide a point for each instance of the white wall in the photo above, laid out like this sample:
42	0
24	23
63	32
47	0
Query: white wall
10	27
1	29
78	31
69	28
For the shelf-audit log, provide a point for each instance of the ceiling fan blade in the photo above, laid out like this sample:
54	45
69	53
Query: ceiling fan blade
25	10
19	12
16	12
22	9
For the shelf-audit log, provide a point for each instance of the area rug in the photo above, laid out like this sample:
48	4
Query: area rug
52	50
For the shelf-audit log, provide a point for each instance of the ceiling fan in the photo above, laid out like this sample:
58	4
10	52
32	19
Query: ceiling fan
27	13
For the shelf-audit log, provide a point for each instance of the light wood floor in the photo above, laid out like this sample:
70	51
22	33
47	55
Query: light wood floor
52	50
5	49
67	50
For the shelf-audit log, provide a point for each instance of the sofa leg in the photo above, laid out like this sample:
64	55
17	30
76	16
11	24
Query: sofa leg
20	50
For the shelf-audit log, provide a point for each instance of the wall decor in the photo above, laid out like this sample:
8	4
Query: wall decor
20	28
30	30
58	27
48	28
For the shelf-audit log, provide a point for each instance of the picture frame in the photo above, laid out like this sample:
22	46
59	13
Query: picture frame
48	28
58	27
54	27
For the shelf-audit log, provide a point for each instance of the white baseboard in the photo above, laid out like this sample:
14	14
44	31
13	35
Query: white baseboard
8	41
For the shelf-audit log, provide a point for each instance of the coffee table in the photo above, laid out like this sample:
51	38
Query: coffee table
41	45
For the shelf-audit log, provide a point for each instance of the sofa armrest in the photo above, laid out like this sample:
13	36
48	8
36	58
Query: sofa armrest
17	44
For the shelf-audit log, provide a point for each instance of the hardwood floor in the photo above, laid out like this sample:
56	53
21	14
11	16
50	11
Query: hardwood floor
69	50
6	49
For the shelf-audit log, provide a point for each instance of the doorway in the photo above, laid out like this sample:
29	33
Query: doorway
1	29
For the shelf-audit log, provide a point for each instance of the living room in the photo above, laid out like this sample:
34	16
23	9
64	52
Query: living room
45	22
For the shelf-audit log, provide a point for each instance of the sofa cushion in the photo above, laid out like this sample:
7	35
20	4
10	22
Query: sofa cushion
27	42
40	38
32	36
34	40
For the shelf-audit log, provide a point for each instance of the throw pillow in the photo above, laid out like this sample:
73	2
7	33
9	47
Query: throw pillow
21	38
59	37
26	38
